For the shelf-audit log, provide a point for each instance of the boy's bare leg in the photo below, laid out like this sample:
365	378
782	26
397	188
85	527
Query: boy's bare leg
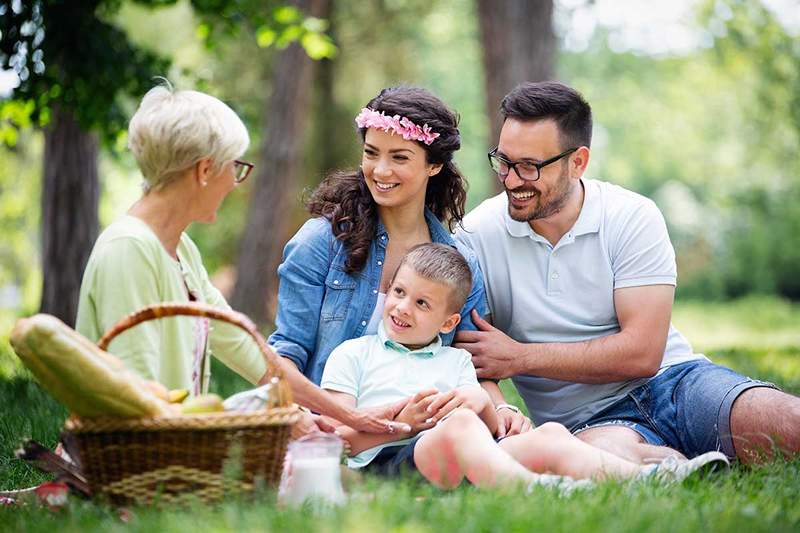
627	444
551	448
461	446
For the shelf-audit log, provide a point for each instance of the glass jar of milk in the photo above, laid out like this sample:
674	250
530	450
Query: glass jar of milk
313	470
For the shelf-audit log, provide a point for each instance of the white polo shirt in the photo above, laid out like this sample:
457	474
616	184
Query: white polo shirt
378	371
565	293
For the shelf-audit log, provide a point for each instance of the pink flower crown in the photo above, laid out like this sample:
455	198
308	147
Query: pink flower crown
369	118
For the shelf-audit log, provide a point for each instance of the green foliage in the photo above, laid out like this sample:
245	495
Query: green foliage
65	54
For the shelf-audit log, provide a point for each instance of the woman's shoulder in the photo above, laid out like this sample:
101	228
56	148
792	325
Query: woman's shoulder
127	233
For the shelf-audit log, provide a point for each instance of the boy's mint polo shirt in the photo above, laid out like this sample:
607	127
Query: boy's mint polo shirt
376	371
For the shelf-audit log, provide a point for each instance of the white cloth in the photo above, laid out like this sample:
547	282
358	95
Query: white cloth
565	293
377	371
377	315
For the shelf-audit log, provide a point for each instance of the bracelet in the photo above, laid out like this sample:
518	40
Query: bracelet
506	406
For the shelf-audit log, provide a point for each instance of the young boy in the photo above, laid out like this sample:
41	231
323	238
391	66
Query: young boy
452	417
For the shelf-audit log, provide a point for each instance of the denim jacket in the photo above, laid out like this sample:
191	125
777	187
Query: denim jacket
320	306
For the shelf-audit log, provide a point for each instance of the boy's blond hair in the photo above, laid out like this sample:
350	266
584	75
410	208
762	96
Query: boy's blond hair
443	264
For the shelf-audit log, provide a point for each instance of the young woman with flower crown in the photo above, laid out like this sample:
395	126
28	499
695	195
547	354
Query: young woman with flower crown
337	267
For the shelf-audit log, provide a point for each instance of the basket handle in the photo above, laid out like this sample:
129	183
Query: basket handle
162	310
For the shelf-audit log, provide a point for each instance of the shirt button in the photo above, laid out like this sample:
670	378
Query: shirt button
380	263
374	291
336	282
363	322
554	275
383	237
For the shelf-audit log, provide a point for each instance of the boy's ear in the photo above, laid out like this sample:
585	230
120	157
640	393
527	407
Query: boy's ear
451	322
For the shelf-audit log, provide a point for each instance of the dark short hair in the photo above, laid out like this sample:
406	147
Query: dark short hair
552	100
443	264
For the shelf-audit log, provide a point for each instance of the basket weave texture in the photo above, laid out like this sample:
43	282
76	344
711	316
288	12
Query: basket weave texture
182	457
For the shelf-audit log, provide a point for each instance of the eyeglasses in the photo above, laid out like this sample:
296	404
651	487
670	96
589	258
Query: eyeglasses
526	170
241	170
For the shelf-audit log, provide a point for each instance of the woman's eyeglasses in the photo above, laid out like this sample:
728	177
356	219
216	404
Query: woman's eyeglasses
241	170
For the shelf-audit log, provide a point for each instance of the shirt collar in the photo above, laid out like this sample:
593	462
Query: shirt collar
588	219
426	351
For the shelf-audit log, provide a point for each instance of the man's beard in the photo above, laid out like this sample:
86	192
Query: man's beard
557	201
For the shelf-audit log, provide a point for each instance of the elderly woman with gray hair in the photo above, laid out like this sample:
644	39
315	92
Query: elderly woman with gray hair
188	147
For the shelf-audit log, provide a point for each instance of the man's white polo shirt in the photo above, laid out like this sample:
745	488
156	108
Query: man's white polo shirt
565	293
378	371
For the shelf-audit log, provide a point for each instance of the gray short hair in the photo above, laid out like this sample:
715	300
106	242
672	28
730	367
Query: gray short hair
173	130
443	264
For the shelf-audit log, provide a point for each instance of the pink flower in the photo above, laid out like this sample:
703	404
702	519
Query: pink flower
369	118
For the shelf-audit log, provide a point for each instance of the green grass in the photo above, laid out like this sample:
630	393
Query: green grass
760	337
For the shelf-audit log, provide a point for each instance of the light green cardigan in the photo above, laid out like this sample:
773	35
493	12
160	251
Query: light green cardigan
130	269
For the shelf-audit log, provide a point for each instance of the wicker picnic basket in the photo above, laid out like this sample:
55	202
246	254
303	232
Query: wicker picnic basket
181	457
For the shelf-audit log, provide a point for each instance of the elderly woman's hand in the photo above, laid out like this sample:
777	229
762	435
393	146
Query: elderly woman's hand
311	423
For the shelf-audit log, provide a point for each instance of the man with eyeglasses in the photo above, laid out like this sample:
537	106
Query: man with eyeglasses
580	278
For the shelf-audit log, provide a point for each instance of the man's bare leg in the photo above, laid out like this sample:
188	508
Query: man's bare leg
627	444
764	421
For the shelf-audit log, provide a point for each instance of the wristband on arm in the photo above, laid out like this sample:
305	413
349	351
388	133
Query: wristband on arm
506	406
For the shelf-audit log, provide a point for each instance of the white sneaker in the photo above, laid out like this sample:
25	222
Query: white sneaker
563	484
672	469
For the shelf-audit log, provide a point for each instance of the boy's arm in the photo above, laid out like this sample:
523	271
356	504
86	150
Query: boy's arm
469	397
414	414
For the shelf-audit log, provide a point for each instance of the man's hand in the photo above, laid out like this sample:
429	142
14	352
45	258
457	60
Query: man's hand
494	353
416	412
474	398
511	423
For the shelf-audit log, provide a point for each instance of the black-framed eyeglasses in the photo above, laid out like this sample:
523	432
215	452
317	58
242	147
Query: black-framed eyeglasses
241	170
526	170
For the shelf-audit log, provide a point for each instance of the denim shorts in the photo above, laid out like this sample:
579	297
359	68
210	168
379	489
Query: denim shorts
686	407
394	460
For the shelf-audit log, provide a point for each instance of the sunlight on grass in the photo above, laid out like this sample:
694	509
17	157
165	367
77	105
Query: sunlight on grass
753	323
756	336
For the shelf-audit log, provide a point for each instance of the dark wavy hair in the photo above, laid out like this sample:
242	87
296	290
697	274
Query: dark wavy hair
344	199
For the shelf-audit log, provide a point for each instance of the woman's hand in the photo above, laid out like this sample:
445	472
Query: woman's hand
415	413
474	398
310	423
378	419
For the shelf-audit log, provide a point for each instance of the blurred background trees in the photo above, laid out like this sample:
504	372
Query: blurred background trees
698	109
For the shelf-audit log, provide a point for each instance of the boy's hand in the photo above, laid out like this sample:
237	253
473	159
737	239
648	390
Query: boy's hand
473	398
511	423
416	413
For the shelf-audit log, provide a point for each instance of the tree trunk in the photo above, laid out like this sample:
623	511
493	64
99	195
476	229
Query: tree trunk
518	45
70	193
275	191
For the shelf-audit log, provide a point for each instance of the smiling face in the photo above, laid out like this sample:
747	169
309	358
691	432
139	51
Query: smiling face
396	170
536	141
417	309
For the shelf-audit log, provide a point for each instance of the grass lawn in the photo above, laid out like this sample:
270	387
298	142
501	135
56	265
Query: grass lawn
756	336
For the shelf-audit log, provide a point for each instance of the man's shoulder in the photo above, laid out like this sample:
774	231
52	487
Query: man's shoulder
618	204
487	216
616	199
